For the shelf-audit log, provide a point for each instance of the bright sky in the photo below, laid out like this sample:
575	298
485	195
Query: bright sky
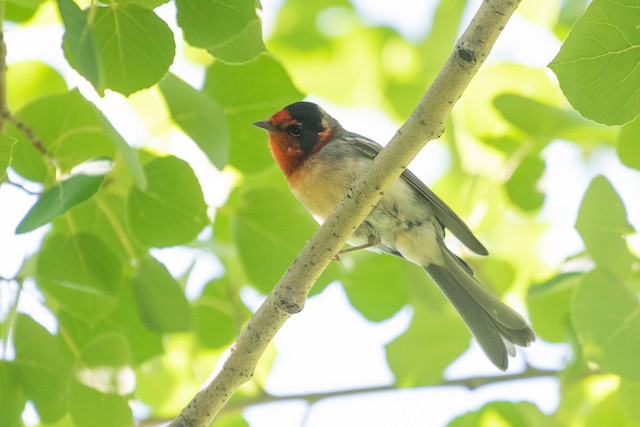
329	346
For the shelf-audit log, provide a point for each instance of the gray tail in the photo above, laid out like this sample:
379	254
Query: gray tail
497	327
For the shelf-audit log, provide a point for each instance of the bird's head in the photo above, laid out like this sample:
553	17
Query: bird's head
297	132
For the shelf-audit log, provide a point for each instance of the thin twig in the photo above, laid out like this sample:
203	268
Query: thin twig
6	180
470	383
26	130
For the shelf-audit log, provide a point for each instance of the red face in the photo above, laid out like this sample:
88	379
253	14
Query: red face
295	133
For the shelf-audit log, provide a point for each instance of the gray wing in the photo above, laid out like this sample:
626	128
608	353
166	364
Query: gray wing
443	213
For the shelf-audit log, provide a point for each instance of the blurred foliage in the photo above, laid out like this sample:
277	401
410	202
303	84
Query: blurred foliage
127	327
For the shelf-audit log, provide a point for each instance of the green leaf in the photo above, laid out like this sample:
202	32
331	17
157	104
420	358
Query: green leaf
597	65
269	228
125	318
378	285
171	211
128	154
151	4
6	149
58	199
505	414
105	365
160	300
89	407
43	368
546	122
89	289
549	306
522	185
125	47
199	117
481	111
611	412
629	144
606	316
21	10
498	273
230	31
103	215
69	129
231	419
29	80
403	90
11	395
242	92
434	340
544	13
214	314
602	224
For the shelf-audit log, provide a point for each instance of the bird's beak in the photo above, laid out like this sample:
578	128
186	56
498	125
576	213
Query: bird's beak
264	124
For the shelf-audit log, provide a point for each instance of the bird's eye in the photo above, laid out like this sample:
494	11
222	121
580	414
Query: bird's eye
295	130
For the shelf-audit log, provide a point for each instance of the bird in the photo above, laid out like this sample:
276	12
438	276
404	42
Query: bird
320	160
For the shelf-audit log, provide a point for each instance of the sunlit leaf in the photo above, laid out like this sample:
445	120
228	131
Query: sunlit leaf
611	412
162	304
70	131
90	288
43	367
602	224
434	339
230	31
29	80
88	406
242	92
104	216
6	149
127	152
483	117
546	122
105	365
11	395
151	4
606	316
124	47
549	306
544	13
430	54
522	186
505	414
21	10
269	229
171	210
597	65
378	285
215	316
629	144
496	273
58	199
125	318
199	117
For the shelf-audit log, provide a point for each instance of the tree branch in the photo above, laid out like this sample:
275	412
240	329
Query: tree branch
470	383
426	122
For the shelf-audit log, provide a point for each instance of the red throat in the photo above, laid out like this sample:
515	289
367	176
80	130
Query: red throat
286	153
